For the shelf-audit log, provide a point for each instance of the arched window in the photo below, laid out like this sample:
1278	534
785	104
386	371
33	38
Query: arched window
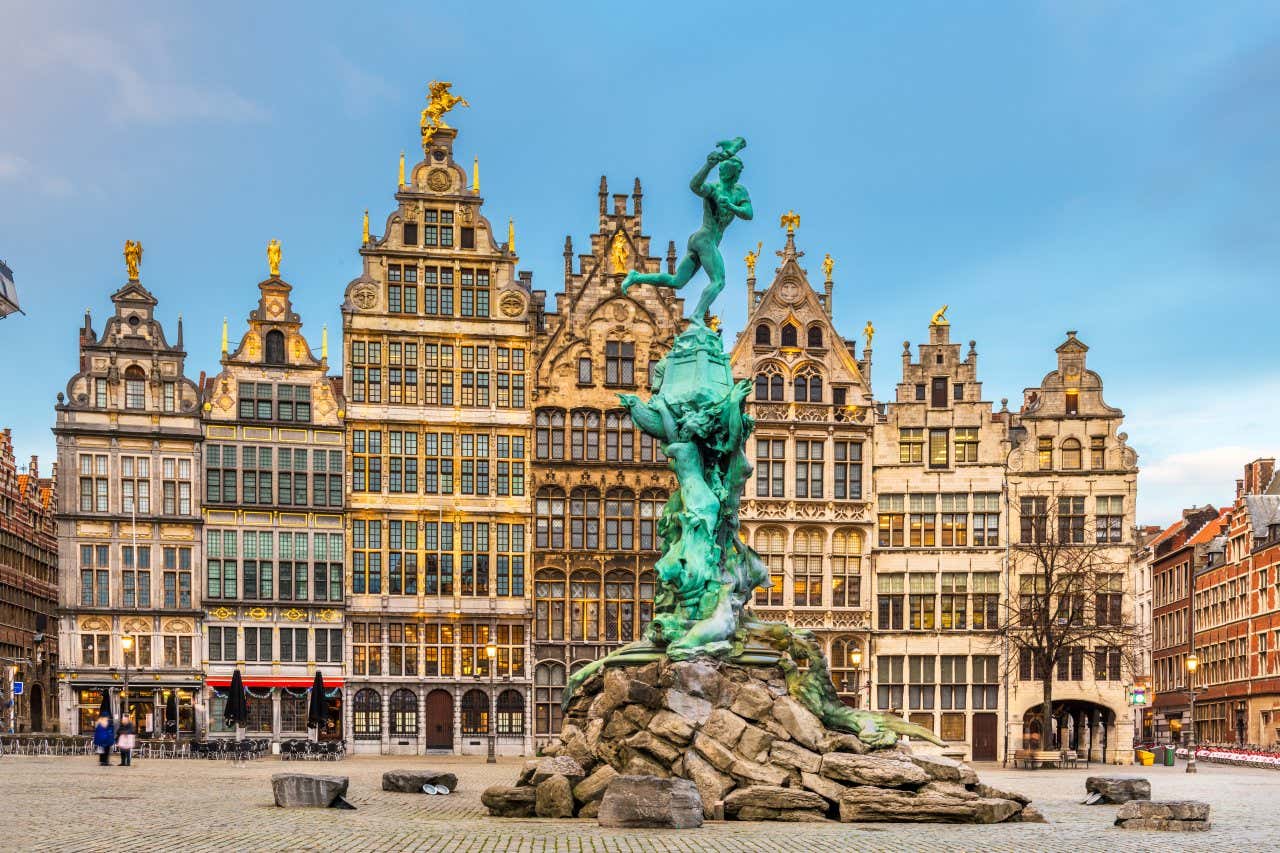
275	347
807	562
769	384
762	387
844	674
775	388
549	434
584	518
770	544
651	503
549	518
802	389
815	336
548	686
815	389
584	613
644	597
548	614
619	437
619	606
763	336
510	716
475	713
789	334
584	371
1071	454
585	436
404	712
808	385
135	384
366	711
846	569
619	520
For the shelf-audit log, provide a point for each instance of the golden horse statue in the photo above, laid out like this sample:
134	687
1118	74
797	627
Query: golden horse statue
940	317
439	101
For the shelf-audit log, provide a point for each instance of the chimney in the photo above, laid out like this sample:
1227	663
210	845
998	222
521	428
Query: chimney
1259	475
1239	489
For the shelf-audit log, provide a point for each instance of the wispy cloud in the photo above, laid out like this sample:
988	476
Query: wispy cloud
19	171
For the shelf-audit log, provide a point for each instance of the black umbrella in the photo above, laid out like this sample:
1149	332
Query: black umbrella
317	706
237	711
104	709
171	713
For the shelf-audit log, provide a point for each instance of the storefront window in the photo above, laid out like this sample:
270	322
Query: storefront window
293	710
88	702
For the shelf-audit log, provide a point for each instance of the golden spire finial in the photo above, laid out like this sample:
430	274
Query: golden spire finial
132	257
790	221
751	259
475	175
401	178
324	341
224	335
940	317
511	236
364	233
273	258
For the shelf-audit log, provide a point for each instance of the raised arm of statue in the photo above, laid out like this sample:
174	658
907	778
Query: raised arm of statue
698	183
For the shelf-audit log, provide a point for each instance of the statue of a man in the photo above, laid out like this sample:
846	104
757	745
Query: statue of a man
722	201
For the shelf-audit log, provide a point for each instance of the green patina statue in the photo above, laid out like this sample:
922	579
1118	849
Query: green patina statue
707	573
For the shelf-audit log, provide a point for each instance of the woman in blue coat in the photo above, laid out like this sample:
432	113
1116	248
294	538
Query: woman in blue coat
103	738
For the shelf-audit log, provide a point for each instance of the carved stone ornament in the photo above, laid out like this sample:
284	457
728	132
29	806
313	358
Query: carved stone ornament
512	305
789	291
365	296
222	613
438	180
258	613
293	614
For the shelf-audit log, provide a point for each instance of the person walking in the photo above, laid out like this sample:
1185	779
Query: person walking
103	738
125	739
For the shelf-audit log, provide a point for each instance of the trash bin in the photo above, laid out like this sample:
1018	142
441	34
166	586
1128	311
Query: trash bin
1146	758
1169	756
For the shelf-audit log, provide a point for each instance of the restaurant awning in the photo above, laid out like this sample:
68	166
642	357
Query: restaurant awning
297	682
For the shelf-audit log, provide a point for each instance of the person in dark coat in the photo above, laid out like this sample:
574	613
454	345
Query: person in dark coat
125	739
103	738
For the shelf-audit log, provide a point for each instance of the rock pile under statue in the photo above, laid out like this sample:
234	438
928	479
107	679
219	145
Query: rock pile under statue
743	709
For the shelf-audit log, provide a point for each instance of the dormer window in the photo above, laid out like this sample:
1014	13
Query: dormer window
275	347
135	383
764	337
1073	402
789	333
410	237
815	337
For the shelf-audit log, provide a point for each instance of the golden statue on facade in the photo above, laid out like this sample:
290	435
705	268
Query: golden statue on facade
827	266
940	317
132	257
868	332
751	259
439	101
619	254
273	258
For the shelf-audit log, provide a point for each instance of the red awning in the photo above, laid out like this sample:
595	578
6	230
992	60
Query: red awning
295	682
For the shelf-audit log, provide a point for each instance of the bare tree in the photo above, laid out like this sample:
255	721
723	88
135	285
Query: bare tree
1067	597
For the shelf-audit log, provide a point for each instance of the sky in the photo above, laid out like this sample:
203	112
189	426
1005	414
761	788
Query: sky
1037	166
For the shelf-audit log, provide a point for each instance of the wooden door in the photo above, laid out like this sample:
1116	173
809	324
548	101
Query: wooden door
984	737
439	720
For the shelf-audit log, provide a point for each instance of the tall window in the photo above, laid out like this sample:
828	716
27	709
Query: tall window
1071	520
135	384
619	520
548	686
986	601
808	386
100	393
222	643
1110	601
95	574
584	606
1071	664
619	437
584	435
922	681
789	333
257	400
177	577
807	568
475	558
366	714
402	648
549	605
889	682
1097	452
924	520
769	385
910	445
293	645
846	570
366	557
175	486
404	713
844	675
549	434
510	713
275	347
955	519
619	606
549	509
135	484
1071	454
922	605
1033	604
619	363
891	520
763	336
651	503
1106	664
93	482
258	644
955	684
1072	402
938	450
966	444
1109	520
475	713
1044	453
437	658
848	470
770	467
770	544
1033	519
955	601
986	682
986	519
809	466
938	392
366	648
328	645
509	576
890	589
135	576
815	337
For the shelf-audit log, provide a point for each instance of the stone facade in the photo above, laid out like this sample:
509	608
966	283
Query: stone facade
600	484
273	523
807	511
28	591
130	480
940	553
1073	469
436	353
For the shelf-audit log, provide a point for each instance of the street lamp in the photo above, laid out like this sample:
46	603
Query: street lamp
127	644
491	652
1241	718
855	658
1192	663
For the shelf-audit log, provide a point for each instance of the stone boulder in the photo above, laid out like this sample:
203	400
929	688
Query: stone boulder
1118	789
411	781
869	803
540	769
510	801
885	770
1167	816
553	797
632	802
302	790
593	787
769	802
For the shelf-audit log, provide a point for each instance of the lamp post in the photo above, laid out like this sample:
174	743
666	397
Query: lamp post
855	658
491	652
126	643
1241	724
1192	663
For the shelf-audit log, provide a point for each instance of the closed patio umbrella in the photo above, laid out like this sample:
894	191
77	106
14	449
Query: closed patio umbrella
104	709
236	712
171	714
317	706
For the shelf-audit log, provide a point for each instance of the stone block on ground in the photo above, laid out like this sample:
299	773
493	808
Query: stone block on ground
1166	816
411	781
1118	789
650	801
872	769
774	798
869	803
554	798
560	765
795	757
510	800
593	787
711	783
303	790
944	769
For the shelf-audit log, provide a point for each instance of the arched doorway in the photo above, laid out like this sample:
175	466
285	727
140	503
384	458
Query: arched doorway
37	707
439	719
1077	725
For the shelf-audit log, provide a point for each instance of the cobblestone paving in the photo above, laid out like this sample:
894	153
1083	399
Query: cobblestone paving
69	803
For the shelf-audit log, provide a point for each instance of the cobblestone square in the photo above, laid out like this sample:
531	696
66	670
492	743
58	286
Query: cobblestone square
63	803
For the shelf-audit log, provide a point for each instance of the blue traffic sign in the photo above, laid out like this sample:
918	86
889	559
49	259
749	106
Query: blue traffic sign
17	688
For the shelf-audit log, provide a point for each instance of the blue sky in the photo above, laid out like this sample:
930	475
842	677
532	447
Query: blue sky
1110	168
